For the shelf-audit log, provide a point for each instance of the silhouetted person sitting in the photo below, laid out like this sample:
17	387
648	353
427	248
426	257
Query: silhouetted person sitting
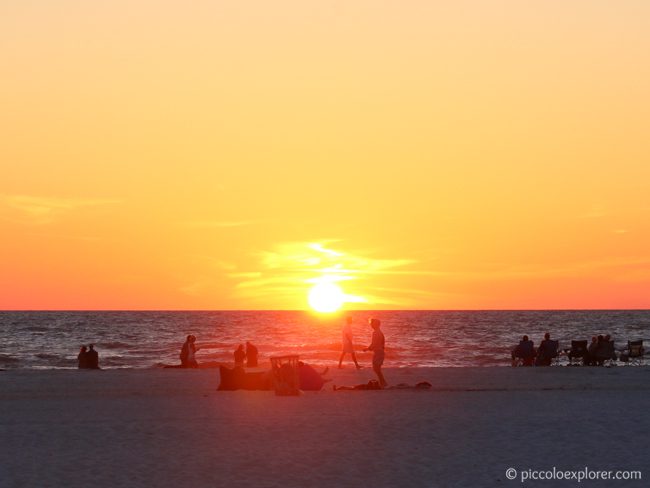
191	358
240	356
546	351
251	355
590	357
524	351
83	358
604	350
92	357
185	352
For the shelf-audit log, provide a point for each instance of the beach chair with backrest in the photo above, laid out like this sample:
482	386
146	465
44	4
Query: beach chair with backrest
577	352
635	353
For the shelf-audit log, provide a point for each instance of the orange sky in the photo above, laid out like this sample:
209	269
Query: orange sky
227	155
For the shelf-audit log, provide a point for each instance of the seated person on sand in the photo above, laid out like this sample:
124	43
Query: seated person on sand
590	357
524	351
240	356
92	358
546	351
82	358
185	348
251	355
188	351
604	350
191	360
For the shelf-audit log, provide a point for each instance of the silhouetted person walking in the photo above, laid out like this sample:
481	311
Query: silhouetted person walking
348	346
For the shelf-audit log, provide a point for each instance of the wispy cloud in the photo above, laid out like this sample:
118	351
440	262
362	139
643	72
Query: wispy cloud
44	210
289	269
609	266
595	212
217	224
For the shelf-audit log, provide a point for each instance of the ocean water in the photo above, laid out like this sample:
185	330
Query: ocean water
49	340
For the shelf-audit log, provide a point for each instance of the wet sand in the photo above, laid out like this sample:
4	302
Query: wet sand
171	428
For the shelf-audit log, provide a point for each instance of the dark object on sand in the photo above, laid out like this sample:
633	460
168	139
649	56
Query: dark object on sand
238	379
422	385
374	385
371	385
310	379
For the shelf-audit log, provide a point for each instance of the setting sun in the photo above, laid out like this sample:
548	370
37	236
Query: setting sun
326	297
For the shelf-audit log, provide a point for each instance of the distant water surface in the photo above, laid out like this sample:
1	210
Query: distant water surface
47	340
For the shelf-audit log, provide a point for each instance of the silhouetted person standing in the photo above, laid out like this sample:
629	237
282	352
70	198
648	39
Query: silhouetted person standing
251	355
92	357
377	347
83	358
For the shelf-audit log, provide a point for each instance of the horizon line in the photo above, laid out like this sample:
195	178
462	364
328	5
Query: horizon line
331	313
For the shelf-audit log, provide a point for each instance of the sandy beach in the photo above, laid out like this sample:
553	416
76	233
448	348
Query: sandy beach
172	428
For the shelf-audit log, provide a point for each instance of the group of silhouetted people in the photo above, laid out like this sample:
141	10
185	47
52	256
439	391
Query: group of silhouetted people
249	355
529	355
600	350
88	358
377	346
189	350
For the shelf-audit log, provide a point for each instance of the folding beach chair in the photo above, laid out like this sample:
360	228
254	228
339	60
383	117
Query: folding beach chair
635	353
577	352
